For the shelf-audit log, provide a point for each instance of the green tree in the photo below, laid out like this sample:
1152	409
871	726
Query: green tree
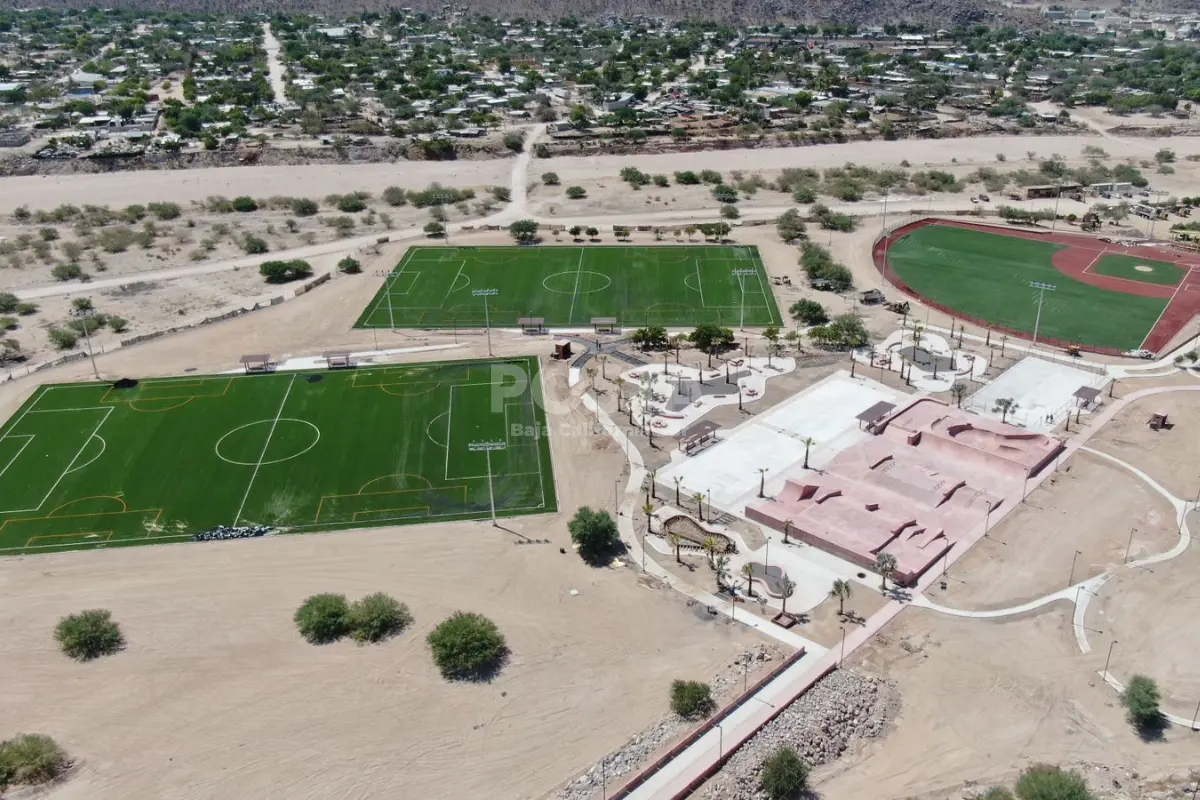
254	245
89	634
467	646
723	193
303	207
550	178
285	271
1005	406
997	793
691	699
377	617
524	231
435	230
62	338
1141	700
576	192
1046	782
323	618
841	591
349	265
809	312
885	565
790	226
395	196
710	338
245	204
594	533
350	204
784	774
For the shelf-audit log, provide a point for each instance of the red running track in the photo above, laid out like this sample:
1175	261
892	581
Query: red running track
1079	253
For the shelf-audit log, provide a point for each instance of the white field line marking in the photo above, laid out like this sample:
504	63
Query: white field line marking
700	285
1174	294
103	448
758	273
451	289
86	442
263	454
28	437
387	291
32	402
574	294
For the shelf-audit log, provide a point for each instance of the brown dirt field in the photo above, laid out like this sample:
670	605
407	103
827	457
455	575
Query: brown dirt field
1151	613
823	624
217	696
1171	457
982	700
1089	505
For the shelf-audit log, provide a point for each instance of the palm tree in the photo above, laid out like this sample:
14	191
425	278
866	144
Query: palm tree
787	528
678	480
648	510
885	565
677	344
721	570
748	574
771	335
958	391
652	474
786	590
591	373
620	382
699	498
676	541
711	546
1006	406
843	591
762	481
739	397
917	332
808	442
603	364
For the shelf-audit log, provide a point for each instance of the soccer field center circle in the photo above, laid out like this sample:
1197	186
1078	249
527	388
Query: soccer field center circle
1144	268
575	283
239	447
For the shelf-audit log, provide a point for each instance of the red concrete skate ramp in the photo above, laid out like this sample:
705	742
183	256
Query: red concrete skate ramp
930	474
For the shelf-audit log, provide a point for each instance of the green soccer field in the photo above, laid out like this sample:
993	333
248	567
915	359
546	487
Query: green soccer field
93	465
987	276
433	287
1131	268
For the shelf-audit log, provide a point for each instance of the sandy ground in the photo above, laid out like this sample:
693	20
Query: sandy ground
982	700
211	642
1171	457
1151	613
1089	505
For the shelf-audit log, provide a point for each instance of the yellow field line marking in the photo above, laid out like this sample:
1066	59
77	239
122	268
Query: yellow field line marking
428	482
354	517
124	505
30	541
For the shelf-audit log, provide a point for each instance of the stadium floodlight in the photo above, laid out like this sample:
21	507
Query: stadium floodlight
87	314
1042	289
487	320
487	448
740	274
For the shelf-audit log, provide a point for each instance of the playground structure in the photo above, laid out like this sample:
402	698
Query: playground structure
930	361
927	476
694	534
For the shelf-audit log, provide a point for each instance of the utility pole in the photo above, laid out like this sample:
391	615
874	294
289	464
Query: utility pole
1042	289
86	315
487	320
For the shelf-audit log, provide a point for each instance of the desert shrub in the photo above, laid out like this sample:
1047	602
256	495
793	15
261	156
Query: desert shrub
67	272
729	211
377	617
8	302
133	213
323	618
30	759
62	338
550	178
435	230
350	204
784	774
116	240
997	793
395	196
710	176
218	204
805	194
809	312
438	195
254	244
1141	699
723	193
48	234
691	699
244	204
687	178
662	181
89	634
303	207
342	225
576	192
1047	782
165	211
514	141
594	533
8	324
350	266
501	193
118	324
285	271
467	646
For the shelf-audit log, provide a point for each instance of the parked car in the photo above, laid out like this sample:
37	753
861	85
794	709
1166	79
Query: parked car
1146	354
984	198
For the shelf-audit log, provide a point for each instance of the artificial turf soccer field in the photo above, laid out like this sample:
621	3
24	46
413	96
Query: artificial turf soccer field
986	276
91	465
569	286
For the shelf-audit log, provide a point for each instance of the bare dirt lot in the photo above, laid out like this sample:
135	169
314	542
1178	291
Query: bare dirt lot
217	696
1170	457
982	700
1150	613
1090	505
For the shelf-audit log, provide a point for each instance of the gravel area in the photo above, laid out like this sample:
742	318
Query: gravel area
647	742
821	724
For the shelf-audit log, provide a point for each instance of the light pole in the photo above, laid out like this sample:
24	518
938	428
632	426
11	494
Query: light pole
487	448
720	742
741	274
1071	580
1132	531
616	497
1042	289
487	320
1109	658
842	657
87	334
1057	197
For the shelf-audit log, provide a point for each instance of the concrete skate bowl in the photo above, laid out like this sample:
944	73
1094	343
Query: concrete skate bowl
694	534
771	577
